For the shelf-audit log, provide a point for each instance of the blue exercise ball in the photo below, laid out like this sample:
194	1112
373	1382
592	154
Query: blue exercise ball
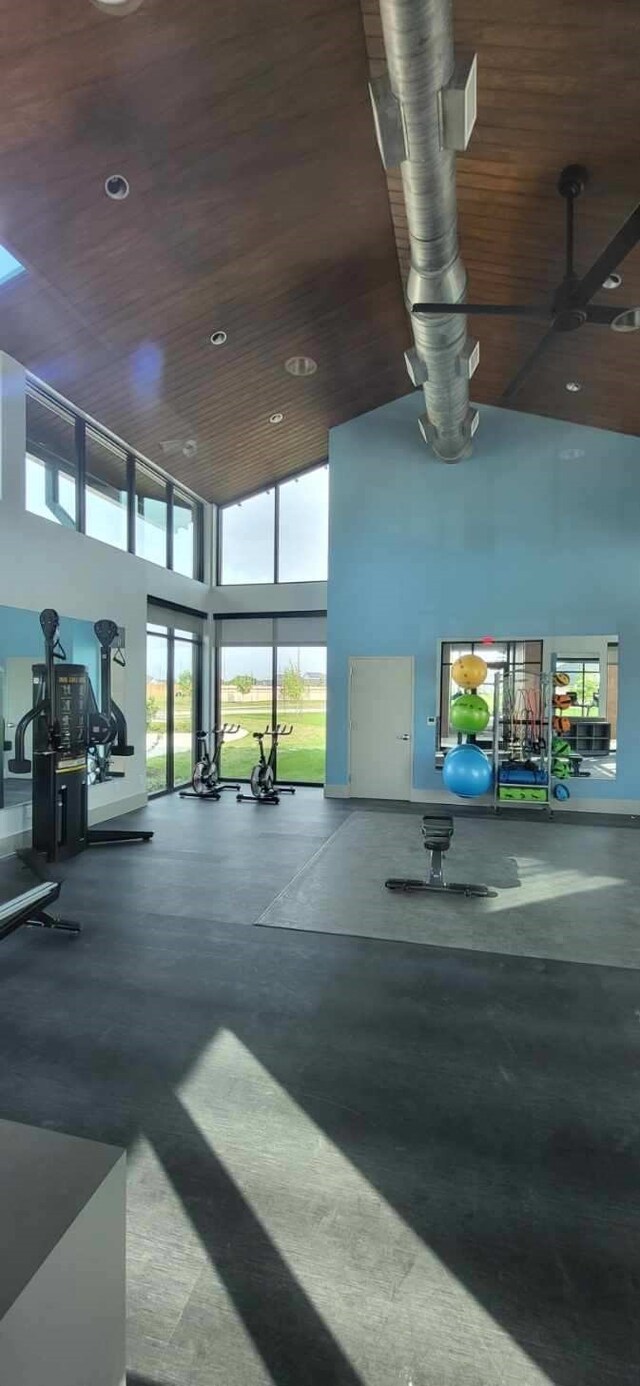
467	771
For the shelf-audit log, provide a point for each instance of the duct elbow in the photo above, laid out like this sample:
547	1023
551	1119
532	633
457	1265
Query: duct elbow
450	443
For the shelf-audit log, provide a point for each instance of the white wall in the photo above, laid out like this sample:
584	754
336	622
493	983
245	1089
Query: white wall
251	598
43	564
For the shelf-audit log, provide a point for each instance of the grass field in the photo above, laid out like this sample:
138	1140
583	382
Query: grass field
156	770
300	757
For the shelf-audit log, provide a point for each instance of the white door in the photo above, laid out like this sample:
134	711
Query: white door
381	727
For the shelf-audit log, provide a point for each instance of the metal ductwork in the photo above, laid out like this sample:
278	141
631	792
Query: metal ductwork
424	110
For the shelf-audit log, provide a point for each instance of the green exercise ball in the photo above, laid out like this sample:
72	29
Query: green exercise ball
469	713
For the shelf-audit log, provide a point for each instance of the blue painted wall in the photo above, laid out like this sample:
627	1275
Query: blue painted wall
537	534
21	637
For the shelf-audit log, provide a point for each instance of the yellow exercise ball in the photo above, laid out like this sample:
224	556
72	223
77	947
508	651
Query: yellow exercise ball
469	671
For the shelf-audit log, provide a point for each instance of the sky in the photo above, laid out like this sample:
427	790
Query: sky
248	533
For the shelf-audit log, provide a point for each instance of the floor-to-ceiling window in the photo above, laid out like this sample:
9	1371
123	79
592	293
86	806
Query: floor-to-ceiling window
301	702
246	700
273	669
173	701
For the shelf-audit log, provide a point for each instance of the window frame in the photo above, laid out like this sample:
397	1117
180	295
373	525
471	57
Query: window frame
274	486
173	489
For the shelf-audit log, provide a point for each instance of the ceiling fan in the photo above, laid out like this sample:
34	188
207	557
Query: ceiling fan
571	305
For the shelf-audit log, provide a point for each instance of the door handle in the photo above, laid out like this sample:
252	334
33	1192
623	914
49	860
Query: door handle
403	737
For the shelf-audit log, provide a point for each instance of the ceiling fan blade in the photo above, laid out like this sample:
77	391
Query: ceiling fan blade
528	365
601	313
495	310
623	241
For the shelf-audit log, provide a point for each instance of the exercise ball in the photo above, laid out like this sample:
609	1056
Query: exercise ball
467	772
469	713
469	671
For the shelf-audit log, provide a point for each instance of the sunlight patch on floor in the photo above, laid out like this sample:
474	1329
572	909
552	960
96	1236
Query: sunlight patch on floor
397	1312
546	885
173	1288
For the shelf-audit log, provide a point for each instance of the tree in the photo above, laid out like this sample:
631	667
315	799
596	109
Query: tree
153	707
184	682
292	687
244	683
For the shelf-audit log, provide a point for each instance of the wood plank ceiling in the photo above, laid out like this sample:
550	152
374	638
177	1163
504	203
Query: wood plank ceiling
557	84
258	205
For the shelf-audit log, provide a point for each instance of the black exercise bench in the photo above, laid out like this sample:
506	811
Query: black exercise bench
30	908
437	832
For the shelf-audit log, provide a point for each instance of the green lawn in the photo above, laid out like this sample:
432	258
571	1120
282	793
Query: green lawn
156	770
301	755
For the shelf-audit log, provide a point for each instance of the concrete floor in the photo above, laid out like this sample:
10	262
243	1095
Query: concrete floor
351	1161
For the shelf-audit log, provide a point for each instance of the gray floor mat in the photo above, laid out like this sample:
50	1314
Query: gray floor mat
563	892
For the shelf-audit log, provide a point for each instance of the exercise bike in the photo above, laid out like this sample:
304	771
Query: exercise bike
206	771
264	789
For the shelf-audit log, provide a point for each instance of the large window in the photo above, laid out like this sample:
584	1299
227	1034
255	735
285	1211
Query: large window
157	709
185	524
151	516
173	697
78	475
248	540
274	670
303	527
279	535
302	703
106	491
51	463
246	698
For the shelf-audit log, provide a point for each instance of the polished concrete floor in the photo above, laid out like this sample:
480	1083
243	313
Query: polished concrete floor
352	1161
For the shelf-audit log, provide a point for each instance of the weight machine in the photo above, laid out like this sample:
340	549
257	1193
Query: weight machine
73	741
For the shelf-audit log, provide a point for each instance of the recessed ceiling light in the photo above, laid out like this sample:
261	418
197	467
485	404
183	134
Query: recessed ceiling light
276	418
573	386
628	321
612	281
117	7
301	365
218	338
117	187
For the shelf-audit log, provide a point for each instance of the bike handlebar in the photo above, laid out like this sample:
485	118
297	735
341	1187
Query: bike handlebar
280	729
